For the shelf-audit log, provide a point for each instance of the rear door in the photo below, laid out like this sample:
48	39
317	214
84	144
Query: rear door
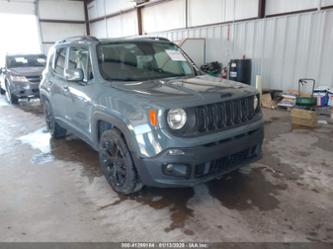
57	85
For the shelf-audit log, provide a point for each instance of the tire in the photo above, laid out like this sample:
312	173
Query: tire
11	98
117	164
55	129
2	92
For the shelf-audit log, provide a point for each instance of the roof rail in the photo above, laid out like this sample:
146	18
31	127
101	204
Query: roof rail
78	38
156	38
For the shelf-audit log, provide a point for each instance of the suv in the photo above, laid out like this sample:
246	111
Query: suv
154	118
21	76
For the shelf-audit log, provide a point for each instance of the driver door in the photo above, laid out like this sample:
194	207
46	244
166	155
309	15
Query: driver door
80	102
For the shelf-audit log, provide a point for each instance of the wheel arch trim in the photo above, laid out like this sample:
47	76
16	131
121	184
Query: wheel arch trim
115	122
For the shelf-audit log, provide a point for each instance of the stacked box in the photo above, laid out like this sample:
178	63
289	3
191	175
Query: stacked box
321	93
304	118
330	98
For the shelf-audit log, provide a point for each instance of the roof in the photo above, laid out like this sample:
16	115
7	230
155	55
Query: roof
135	39
80	39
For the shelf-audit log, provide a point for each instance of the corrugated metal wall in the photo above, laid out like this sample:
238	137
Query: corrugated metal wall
60	19
55	20
283	49
118	26
100	8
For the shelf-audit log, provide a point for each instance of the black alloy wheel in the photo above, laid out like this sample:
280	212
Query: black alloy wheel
117	164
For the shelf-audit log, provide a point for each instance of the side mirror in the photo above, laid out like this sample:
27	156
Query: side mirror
74	75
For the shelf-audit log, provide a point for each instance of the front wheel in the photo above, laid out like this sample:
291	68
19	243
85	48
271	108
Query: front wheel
55	129
117	164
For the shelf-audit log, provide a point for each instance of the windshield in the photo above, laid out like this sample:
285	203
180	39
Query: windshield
26	61
139	61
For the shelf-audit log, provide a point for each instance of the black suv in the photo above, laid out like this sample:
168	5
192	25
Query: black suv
21	76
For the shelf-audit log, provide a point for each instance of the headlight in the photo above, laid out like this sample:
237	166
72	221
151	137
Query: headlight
255	102
176	118
19	78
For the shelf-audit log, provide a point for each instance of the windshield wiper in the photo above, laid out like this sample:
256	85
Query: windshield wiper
159	70
121	79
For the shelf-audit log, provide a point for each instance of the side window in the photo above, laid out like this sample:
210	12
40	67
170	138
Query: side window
50	60
79	59
59	64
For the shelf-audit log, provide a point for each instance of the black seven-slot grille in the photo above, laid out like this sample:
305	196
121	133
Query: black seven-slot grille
224	115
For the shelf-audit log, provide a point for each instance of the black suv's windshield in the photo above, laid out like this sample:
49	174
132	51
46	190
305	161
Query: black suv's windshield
138	61
26	61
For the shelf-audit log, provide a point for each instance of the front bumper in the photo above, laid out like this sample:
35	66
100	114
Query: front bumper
203	163
25	90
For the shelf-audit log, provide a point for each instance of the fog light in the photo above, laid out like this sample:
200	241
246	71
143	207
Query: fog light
178	170
169	168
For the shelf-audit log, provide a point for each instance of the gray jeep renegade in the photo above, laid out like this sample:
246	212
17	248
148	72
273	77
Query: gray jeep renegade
154	118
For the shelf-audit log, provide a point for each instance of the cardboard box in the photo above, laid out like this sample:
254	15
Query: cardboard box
267	101
304	118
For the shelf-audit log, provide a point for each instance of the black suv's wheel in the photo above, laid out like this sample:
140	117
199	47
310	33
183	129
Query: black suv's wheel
55	129
117	163
11	98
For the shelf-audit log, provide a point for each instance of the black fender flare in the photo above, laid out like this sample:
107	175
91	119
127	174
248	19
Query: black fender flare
125	130
116	123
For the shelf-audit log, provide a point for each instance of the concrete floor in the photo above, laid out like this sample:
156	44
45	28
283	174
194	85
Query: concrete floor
54	191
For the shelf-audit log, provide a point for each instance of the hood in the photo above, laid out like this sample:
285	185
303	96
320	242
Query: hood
203	87
27	71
